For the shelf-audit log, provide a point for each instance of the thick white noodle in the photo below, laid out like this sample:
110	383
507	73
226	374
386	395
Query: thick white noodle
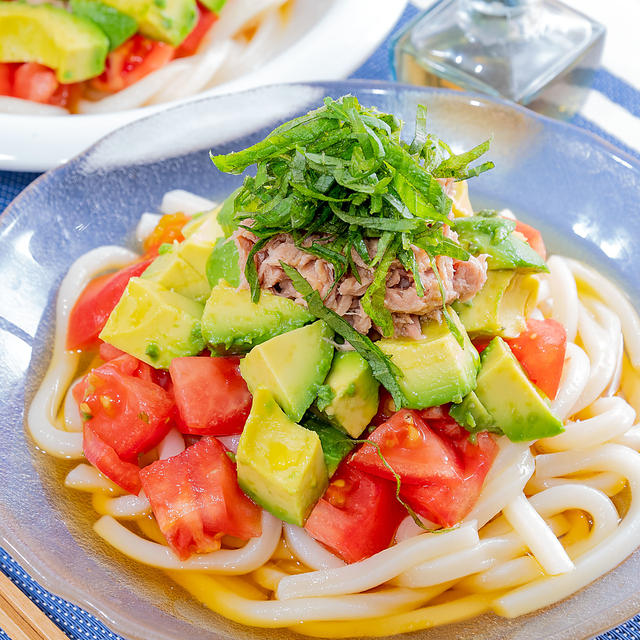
28	107
509	474
84	477
631	438
171	445
308	550
612	417
227	561
180	201
127	507
564	295
575	375
374	571
41	418
146	225
72	417
597	344
409	529
138	93
615	299
231	442
537	535
604	556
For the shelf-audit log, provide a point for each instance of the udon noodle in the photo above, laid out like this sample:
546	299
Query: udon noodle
544	527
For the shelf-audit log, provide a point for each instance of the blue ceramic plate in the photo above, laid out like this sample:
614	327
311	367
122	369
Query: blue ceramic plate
579	190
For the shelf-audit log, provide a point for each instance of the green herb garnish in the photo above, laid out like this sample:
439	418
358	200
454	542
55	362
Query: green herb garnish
343	171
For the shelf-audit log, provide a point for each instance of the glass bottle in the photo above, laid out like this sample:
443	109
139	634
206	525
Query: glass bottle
540	53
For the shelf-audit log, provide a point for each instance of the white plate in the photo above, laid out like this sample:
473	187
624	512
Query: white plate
327	40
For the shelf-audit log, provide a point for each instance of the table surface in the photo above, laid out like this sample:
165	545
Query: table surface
612	111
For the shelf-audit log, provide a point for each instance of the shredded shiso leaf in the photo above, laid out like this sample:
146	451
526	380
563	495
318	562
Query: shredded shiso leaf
343	171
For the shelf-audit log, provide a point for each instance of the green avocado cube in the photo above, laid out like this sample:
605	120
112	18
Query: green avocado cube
516	406
172	272
73	46
232	322
280	464
291	366
197	247
154	324
353	393
436	369
117	26
473	416
502	306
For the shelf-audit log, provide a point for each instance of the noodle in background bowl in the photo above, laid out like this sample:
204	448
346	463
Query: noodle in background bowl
581	192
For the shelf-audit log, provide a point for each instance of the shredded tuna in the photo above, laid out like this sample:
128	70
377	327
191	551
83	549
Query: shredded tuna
461	281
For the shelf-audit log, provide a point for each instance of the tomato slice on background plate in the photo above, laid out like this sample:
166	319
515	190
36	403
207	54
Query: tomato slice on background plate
540	349
357	516
447	502
211	395
414	451
132	61
106	460
96	302
190	44
196	499
128	413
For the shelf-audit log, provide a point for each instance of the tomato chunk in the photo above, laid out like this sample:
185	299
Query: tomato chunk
33	81
357	516
414	451
540	349
92	309
168	230
101	455
131	61
128	413
447	502
211	396
196	499
534	238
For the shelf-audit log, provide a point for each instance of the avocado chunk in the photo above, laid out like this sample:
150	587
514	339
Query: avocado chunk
167	20
117	26
280	464
353	394
335	444
223	263
172	272
516	406
435	369
232	322
494	236
502	306
197	221
72	45
214	5
292	366
197	247
154	324
473	416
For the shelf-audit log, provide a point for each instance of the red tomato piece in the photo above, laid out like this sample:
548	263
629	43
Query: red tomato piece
33	81
211	396
481	343
109	352
128	413
7	69
131	61
414	451
357	516
534	238
447	502
102	456
196	499
168	230
191	43
541	350
92	309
